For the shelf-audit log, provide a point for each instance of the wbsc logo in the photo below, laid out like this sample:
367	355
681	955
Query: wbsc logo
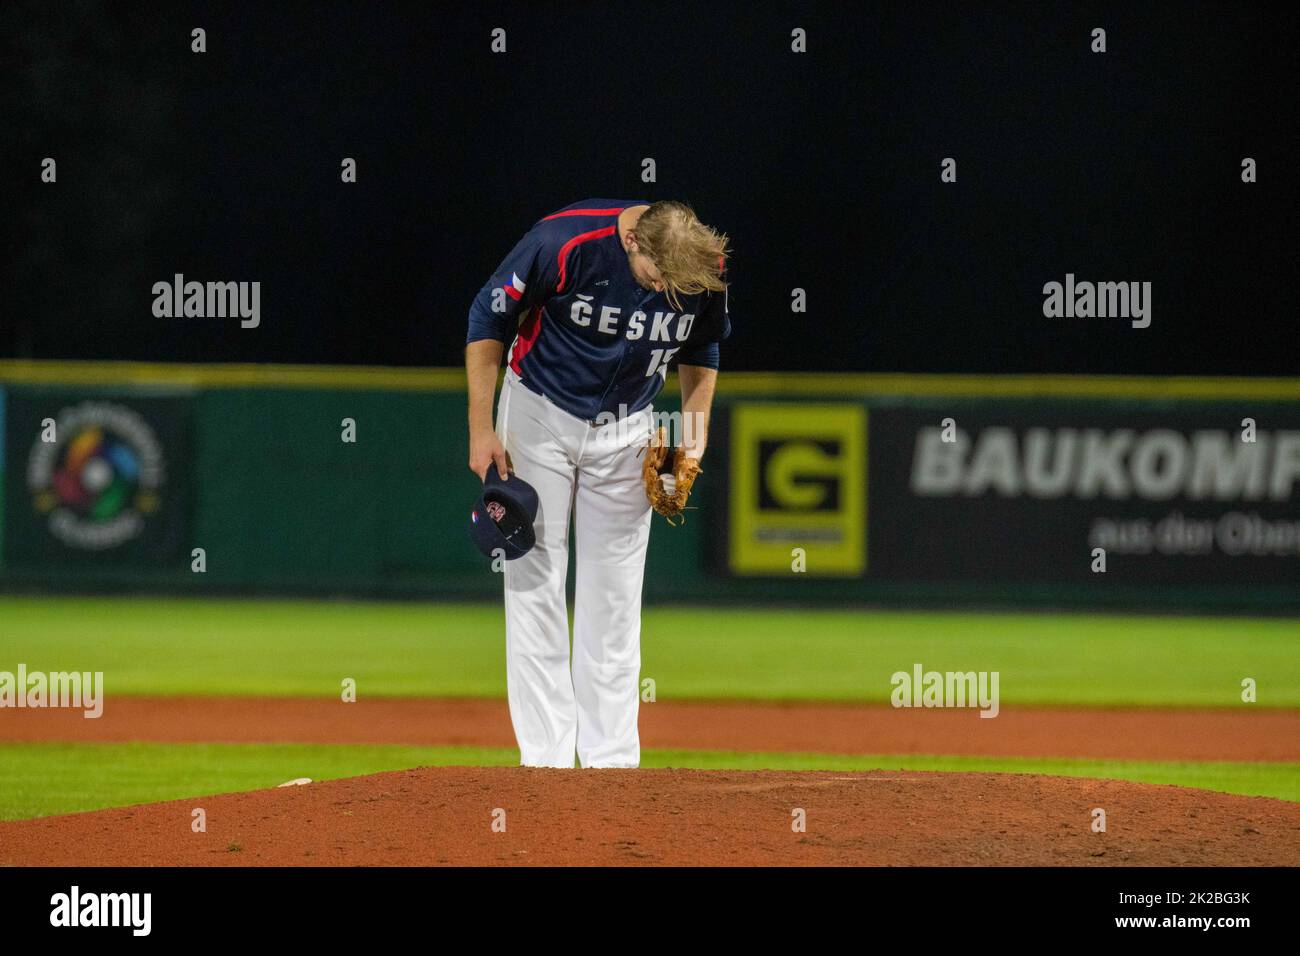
100	480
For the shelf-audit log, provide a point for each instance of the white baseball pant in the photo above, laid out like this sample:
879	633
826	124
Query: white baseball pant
593	473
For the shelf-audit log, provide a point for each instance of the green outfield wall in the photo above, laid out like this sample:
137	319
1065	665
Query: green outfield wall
834	488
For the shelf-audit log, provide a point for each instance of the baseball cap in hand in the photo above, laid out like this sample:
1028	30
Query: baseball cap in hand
503	517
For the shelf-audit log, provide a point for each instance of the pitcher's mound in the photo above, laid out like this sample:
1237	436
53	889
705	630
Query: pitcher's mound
509	815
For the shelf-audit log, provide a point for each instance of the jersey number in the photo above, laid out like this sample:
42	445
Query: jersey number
659	360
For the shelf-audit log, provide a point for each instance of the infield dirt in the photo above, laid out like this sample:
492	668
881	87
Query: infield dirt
444	816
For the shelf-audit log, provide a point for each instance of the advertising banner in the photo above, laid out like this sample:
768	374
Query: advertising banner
94	478
797	491
1036	492
1014	491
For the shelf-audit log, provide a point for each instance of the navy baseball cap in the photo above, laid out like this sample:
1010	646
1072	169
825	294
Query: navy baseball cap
503	517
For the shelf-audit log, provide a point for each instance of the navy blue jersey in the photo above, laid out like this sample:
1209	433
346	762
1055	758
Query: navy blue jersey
582	332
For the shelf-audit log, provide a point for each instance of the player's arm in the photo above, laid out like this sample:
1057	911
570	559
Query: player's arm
525	277
482	362
697	373
698	383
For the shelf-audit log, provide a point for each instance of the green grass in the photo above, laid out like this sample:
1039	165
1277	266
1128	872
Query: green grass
186	646
43	779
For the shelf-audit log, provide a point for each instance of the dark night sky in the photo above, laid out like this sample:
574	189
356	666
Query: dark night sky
823	168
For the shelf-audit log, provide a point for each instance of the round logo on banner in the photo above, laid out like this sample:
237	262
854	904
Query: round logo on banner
100	478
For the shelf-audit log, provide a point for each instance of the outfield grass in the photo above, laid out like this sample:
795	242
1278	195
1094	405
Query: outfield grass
44	779
185	646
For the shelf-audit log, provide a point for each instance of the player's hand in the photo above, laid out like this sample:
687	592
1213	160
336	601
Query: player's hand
486	450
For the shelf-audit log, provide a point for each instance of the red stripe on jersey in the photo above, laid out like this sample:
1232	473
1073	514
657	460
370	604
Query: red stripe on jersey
578	240
513	292
526	338
583	212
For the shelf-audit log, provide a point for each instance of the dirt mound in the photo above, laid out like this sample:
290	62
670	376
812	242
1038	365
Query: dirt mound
1148	734
433	816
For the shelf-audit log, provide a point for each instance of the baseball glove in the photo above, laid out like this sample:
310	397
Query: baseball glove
668	499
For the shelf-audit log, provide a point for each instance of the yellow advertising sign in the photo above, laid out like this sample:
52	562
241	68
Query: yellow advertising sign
798	489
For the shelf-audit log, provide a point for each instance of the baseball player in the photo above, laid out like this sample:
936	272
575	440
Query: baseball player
595	302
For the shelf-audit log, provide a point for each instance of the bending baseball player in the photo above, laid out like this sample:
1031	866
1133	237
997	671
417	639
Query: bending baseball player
596	300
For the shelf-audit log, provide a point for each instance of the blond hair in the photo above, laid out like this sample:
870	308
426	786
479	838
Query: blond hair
690	256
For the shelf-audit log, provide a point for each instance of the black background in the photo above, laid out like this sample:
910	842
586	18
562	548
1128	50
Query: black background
822	167
279	904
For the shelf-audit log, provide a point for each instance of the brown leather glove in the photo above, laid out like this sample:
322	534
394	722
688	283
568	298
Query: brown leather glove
684	471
